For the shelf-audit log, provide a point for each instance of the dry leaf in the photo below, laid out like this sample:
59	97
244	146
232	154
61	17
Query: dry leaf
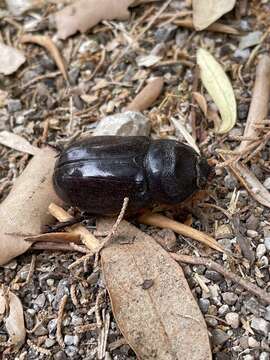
14	321
206	12
25	210
151	300
219	87
10	59
251	183
200	99
183	131
147	96
48	44
84	14
17	142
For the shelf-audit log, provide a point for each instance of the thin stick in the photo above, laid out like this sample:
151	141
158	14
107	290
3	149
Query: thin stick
210	264
87	238
61	310
112	233
216	27
100	63
260	100
55	237
166	223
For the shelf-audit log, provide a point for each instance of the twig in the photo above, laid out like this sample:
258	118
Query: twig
210	264
48	44
100	63
31	269
52	246
85	328
216	27
87	238
73	295
166	223
112	233
80	260
55	237
260	100
61	310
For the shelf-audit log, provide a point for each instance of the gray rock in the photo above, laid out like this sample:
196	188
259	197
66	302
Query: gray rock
14	105
267	183
219	337
254	307
252	343
62	289
213	275
232	319
267	243
71	340
260	251
267	313
60	355
40	300
230	182
241	54
165	33
76	320
211	321
223	310
52	324
264	356
204	305
248	357
129	123
41	330
49	343
71	351
260	325
230	298
252	233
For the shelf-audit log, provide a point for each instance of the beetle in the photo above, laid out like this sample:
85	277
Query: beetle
97	173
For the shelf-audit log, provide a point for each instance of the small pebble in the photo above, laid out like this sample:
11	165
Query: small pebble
129	123
260	325
165	33
204	305
252	343
60	355
71	340
14	105
230	298
49	343
248	357
264	356
41	330
232	319
40	300
211	321
267	243
223	310
241	54
267	313
267	183
260	251
230	182
219	337
71	351
252	233
76	320
213	275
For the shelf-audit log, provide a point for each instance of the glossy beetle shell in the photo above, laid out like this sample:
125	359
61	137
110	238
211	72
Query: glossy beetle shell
95	174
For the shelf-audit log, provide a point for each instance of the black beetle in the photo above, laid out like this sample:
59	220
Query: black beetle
97	173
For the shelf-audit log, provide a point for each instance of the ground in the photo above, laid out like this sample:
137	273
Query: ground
44	110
